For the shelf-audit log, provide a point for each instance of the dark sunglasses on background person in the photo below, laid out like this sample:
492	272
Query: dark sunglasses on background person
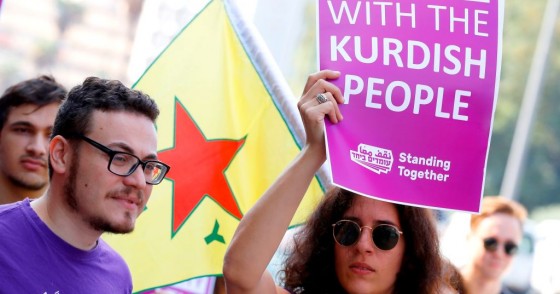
384	236
491	244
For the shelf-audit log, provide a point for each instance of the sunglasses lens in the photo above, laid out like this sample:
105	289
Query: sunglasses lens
510	248
385	237
491	244
346	233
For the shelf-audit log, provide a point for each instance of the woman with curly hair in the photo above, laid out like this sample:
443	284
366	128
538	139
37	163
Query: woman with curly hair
350	244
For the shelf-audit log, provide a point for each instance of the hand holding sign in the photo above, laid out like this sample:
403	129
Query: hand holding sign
312	112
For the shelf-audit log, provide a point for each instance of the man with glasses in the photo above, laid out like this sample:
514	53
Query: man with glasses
27	112
102	166
493	241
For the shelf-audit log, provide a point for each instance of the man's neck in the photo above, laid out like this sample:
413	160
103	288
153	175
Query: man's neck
478	283
65	223
10	193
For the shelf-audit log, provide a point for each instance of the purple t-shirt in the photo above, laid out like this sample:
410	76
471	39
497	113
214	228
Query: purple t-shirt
35	260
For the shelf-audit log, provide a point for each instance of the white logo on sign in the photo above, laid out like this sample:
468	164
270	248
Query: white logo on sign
376	159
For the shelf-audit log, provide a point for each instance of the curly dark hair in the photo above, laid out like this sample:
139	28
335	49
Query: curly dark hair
95	94
310	268
453	277
40	91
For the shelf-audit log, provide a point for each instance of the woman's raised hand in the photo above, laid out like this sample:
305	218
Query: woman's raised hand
320	98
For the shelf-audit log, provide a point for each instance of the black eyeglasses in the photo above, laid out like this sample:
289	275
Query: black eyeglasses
124	164
491	244
384	236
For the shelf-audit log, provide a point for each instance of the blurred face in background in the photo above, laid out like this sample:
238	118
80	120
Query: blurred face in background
494	243
24	141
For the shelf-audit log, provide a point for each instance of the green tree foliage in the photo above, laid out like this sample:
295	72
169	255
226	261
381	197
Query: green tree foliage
539	182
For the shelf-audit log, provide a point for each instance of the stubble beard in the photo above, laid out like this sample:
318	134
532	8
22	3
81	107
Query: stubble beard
95	222
25	184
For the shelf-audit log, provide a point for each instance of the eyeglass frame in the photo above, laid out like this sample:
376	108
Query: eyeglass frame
510	247
112	154
399	233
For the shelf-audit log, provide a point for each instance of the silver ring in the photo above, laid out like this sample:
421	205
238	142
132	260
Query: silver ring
321	98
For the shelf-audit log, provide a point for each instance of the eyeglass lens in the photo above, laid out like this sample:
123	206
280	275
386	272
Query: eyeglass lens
491	244
125	164
347	233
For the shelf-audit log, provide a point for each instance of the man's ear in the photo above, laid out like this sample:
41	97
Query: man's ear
60	153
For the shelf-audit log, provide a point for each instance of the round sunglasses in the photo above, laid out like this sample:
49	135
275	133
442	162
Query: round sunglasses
491	244
384	236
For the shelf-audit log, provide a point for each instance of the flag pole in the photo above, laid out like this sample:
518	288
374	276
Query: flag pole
273	79
519	145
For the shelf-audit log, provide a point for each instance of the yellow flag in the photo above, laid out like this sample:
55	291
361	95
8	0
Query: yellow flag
227	130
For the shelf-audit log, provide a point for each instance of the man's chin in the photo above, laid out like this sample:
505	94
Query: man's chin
115	227
494	273
30	184
118	230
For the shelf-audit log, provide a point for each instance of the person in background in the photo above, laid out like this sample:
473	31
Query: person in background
27	112
350	243
102	167
493	240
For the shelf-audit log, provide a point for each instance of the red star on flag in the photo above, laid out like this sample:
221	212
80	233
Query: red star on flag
198	168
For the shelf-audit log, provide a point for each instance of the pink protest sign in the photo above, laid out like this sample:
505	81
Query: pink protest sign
420	81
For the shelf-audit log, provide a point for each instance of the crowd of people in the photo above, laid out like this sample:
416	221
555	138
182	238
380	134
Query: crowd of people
102	165
76	164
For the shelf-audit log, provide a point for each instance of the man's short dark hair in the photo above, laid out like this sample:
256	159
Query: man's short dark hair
39	91
74	115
